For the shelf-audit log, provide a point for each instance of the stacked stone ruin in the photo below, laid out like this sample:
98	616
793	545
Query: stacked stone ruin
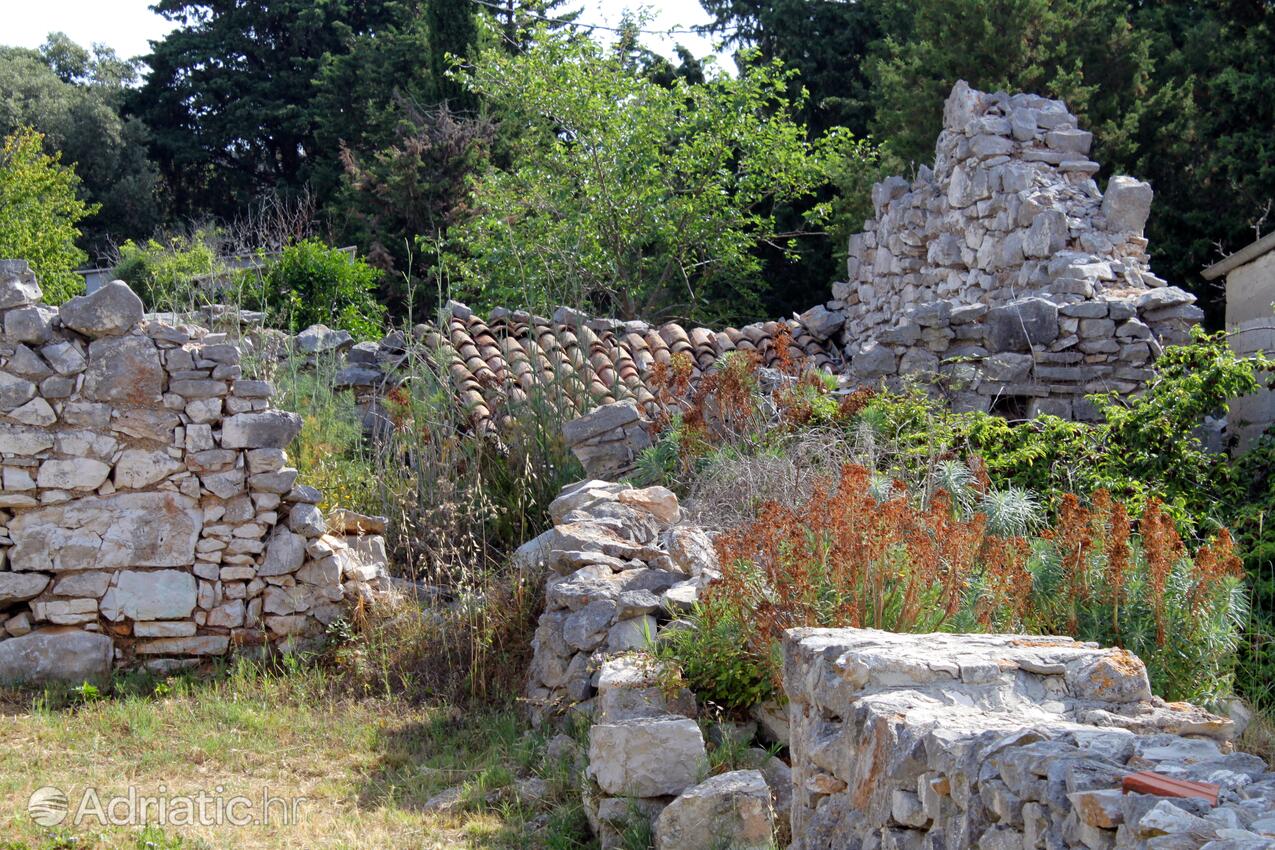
895	742
1003	273
147	512
620	568
1003	742
1002	278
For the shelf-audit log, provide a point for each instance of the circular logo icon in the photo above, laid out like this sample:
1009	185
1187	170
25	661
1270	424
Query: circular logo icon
47	806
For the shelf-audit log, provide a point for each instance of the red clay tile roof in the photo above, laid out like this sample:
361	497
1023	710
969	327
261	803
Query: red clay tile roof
501	361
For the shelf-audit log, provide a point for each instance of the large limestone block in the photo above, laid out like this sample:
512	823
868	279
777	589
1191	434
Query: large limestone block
112	310
649	757
24	441
582	495
138	468
124	370
634	686
81	473
29	324
285	553
65	655
19	587
18	286
364	558
660	502
1126	205
731	810
123	530
320	338
601	420
1022	325
200	645
14	391
271	429
157	595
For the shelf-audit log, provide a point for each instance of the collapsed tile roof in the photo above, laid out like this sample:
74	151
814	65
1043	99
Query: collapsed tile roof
499	361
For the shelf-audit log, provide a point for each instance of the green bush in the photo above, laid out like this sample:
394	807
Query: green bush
716	658
163	273
39	210
312	283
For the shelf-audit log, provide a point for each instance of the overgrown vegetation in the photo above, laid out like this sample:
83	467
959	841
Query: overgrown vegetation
311	283
887	510
39	211
855	556
635	196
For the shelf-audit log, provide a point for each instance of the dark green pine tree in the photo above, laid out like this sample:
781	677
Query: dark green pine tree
828	43
231	97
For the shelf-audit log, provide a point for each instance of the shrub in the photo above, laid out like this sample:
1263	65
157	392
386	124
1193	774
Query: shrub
39	211
312	283
164	273
1145	447
920	564
329	453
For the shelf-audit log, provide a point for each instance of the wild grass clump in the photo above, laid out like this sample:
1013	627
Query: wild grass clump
459	502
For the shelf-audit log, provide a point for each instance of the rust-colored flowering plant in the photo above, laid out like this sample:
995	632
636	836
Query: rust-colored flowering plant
862	555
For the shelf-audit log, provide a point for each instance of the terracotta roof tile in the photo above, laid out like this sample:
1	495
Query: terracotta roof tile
502	362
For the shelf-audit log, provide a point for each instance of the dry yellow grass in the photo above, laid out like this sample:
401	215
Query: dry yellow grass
364	767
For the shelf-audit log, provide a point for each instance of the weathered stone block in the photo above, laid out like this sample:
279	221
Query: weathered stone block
65	655
732	809
272	429
121	530
651	757
1022	325
124	370
153	595
112	310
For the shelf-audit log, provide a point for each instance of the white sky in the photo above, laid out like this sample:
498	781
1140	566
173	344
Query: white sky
128	25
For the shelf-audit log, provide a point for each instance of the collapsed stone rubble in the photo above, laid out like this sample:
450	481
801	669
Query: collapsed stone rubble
1002	277
148	516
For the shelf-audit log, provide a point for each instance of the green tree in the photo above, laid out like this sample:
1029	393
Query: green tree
1208	149
74	97
1086	52
828	44
413	187
231	97
39	210
628	196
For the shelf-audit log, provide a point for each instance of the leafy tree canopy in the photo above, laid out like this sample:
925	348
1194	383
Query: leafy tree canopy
39	210
73	97
629	196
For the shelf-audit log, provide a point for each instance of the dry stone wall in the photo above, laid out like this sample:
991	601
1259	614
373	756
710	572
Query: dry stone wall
1003	274
147	512
1002	742
620	569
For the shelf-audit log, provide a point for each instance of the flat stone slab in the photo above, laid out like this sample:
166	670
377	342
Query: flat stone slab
62	655
106	532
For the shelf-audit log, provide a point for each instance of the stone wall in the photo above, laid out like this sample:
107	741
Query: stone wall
1002	742
620	569
1003	274
147	512
893	742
